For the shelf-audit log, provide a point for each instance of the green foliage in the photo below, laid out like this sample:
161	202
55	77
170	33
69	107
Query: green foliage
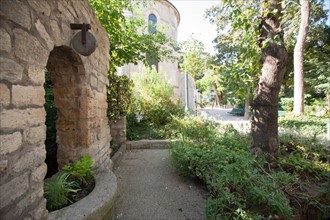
80	171
127	44
154	98
153	107
119	96
243	186
194	59
287	104
51	116
57	190
238	54
215	159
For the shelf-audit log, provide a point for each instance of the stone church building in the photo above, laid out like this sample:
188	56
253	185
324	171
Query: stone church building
164	14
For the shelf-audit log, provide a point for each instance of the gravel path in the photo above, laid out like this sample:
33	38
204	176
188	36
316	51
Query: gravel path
149	188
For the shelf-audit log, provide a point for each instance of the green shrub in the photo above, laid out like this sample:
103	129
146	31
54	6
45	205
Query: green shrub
239	186
286	104
119	96
80	171
57	190
154	98
153	108
243	186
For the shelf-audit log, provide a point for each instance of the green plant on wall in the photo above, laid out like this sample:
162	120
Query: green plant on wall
119	96
51	116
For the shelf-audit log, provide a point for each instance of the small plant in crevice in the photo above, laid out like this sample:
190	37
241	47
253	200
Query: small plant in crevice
57	190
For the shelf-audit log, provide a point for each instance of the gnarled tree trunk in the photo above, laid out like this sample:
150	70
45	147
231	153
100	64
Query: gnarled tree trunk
274	62
298	58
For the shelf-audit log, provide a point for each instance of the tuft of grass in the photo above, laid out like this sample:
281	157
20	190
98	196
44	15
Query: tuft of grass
57	190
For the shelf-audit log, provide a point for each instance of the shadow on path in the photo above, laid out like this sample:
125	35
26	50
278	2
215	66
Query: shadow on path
149	188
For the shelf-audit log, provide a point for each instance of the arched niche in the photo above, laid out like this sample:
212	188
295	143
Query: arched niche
69	87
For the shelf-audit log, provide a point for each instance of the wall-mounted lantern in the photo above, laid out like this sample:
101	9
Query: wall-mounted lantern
83	42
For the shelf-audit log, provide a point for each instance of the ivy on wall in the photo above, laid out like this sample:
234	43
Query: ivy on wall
119	96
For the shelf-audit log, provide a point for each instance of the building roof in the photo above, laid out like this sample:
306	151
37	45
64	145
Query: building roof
175	10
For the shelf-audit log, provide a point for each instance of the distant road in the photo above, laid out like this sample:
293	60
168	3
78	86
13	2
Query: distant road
221	115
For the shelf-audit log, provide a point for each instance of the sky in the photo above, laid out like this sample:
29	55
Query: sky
193	21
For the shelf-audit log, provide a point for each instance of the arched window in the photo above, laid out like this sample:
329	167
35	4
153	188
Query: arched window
152	21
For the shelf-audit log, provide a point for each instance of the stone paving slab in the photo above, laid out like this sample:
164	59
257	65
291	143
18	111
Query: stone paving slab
149	188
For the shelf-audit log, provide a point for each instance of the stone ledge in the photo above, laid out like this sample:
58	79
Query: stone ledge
147	144
99	204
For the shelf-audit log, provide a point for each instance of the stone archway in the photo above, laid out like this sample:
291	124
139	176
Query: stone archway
31	31
69	87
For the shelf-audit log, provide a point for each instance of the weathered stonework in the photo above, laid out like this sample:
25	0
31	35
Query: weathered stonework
36	34
118	131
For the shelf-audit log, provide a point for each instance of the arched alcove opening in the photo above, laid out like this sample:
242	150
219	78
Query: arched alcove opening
51	117
68	81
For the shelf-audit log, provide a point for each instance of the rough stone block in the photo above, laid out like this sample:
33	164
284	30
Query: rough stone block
35	135
44	34
3	166
30	160
10	70
56	32
40	6
16	11
39	174
4	95
5	43
28	95
8	193
18	118
36	74
40	212
10	143
25	43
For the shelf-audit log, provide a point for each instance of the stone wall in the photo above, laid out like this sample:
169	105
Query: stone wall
118	131
35	34
167	16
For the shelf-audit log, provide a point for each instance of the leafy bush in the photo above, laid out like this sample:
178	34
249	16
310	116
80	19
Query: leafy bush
243	186
287	104
154	98
153	106
119	96
57	190
80	171
215	159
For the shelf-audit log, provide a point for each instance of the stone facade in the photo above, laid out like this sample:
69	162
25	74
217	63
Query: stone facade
36	34
118	131
169	17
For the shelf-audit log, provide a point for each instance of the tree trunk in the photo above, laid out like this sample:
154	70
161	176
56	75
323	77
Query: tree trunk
298	60
274	62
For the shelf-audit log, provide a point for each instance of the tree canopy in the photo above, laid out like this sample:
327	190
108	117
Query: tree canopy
130	41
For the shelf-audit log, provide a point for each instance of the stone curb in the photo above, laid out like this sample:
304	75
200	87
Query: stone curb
99	204
147	144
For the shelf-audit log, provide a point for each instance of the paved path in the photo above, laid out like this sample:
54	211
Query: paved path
149	188
222	116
